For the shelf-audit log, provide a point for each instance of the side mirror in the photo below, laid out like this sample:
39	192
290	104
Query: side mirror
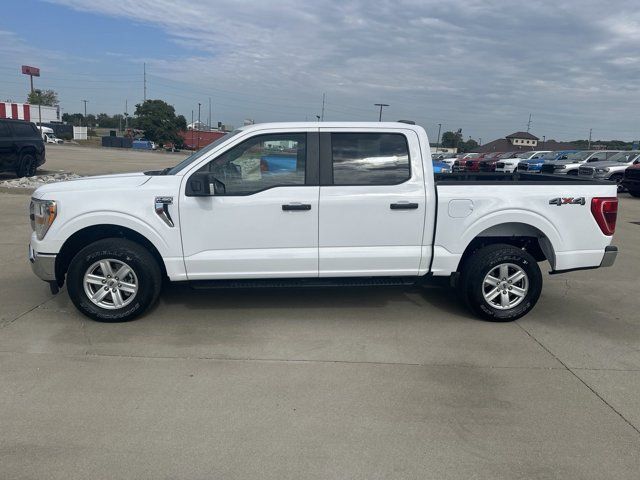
200	184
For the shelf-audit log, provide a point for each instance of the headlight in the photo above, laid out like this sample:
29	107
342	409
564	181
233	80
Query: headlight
561	167
42	213
602	170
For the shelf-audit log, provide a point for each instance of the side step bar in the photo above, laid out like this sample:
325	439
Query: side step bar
307	282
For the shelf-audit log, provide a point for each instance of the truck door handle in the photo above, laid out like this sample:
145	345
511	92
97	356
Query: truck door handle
404	206
296	206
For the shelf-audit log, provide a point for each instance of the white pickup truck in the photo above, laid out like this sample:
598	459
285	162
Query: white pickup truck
309	204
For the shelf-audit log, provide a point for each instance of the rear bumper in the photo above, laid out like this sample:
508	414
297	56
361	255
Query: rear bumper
608	259
43	265
610	254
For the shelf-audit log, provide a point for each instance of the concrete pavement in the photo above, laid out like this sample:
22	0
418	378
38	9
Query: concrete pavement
349	383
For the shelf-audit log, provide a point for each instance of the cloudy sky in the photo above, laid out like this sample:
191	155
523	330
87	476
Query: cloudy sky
479	65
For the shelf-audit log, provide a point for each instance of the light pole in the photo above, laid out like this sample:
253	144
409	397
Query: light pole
438	142
381	105
590	131
85	112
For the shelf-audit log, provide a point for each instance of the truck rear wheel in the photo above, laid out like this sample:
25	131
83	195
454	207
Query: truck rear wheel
500	282
113	280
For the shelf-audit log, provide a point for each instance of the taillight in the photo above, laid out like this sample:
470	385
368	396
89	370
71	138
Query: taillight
605	211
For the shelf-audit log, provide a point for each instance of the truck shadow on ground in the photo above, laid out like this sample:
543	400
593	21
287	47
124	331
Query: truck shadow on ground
430	298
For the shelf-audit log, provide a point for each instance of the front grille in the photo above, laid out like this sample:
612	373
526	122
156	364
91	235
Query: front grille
587	171
500	165
523	167
546	168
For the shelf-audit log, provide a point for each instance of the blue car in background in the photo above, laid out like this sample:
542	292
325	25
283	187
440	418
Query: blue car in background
535	164
441	167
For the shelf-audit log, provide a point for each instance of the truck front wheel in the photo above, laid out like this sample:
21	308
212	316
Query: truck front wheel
113	280
500	282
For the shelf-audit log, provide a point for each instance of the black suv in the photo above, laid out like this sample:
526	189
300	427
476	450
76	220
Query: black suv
21	147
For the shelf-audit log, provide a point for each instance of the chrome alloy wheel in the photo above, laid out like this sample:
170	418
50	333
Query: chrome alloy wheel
110	284
505	286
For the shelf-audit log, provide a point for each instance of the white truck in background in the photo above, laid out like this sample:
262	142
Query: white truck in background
335	204
49	136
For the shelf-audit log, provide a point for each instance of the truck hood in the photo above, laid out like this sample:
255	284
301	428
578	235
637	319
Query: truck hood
100	182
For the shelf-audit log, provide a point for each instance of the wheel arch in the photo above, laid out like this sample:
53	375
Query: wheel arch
84	236
541	245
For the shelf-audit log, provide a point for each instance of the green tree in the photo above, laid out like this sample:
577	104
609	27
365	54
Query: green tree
452	139
159	122
48	98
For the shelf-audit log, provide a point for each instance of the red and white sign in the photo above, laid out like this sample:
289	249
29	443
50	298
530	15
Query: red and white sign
33	71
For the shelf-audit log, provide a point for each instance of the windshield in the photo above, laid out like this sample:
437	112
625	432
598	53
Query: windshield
549	156
623	157
577	156
193	157
524	155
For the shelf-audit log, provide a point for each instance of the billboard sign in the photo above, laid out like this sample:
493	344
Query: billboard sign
33	71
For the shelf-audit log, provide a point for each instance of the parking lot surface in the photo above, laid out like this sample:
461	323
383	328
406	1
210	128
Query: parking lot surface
345	383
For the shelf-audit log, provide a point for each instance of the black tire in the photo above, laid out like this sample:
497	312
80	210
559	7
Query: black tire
27	166
144	265
481	263
617	177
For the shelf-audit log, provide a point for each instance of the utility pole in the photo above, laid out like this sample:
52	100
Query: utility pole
209	121
192	125
381	105
590	131
544	140
480	141
438	142
85	112
323	98
529	124
144	76
126	115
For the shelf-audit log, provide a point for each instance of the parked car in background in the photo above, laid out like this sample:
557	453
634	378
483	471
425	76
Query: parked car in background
509	165
488	163
440	166
21	147
631	180
460	164
448	158
612	169
571	164
534	165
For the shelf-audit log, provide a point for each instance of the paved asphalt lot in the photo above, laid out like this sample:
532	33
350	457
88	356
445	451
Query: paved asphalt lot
318	384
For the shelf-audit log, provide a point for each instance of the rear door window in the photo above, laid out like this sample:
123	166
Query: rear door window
370	158
4	130
24	130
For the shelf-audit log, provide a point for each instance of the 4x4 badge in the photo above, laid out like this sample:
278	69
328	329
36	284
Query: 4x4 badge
567	201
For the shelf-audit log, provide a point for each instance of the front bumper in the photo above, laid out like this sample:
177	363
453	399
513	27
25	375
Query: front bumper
43	265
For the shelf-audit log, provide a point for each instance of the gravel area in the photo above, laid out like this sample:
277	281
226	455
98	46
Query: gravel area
37	181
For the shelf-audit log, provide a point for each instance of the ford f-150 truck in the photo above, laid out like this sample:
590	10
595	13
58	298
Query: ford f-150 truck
354	204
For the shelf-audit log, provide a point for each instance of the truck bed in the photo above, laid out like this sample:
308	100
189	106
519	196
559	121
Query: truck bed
499	178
